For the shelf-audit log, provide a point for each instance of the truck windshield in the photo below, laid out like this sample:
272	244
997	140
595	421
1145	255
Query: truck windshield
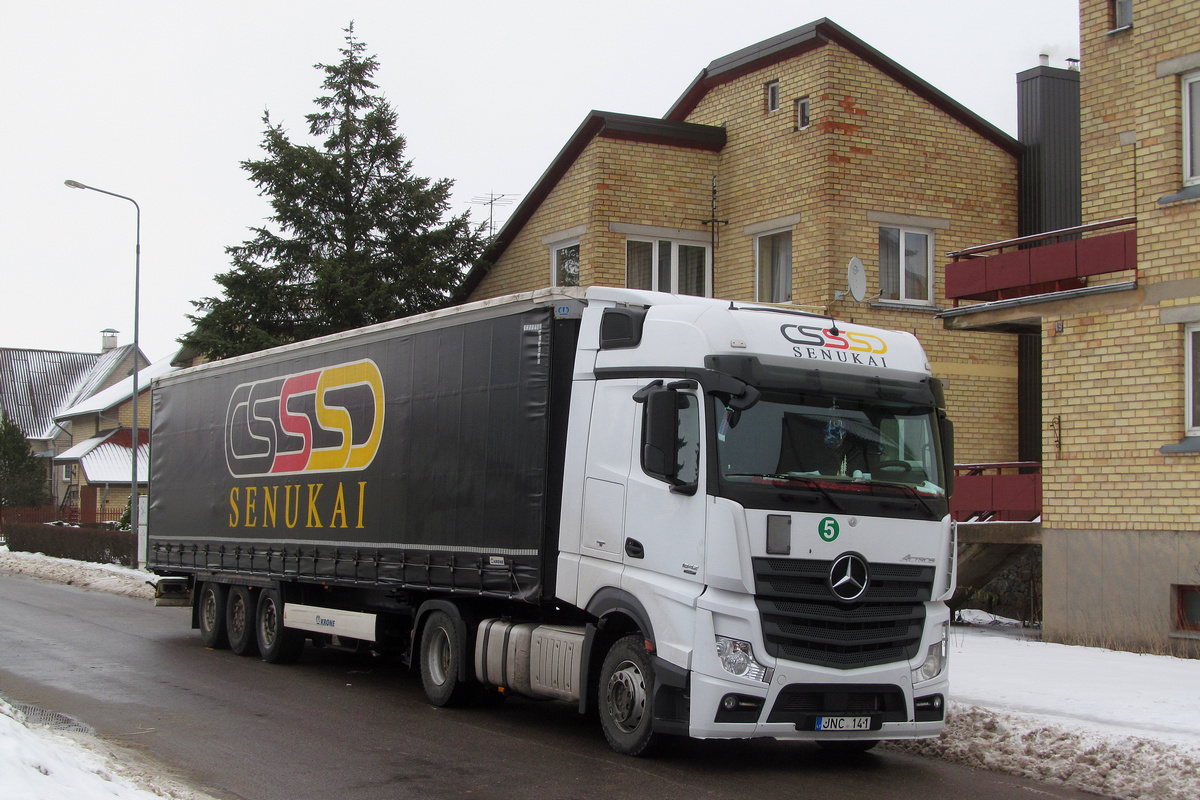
835	443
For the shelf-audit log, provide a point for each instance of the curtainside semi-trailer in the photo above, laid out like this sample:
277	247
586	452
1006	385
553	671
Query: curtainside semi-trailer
698	517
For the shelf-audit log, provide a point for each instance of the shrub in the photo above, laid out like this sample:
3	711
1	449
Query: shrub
99	543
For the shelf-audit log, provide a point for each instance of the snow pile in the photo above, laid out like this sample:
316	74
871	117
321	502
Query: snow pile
1128	768
39	764
112	578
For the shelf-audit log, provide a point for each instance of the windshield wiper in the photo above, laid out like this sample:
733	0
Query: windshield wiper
912	492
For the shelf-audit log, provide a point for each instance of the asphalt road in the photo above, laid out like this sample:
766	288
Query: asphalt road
348	727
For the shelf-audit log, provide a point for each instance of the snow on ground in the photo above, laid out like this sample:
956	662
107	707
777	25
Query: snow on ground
1118	724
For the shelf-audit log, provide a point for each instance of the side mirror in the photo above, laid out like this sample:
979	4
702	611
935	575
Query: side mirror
947	430
660	428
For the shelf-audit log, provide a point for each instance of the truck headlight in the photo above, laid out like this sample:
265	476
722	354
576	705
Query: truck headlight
737	658
935	658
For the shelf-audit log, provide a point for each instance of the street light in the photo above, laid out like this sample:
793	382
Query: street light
137	279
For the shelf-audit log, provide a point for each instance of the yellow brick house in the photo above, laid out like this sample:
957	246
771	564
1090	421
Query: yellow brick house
1120	338
778	165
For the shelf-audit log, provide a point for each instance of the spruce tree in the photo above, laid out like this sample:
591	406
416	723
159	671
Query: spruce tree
22	474
355	238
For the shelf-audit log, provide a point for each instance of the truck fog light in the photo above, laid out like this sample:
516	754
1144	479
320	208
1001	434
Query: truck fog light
737	658
935	658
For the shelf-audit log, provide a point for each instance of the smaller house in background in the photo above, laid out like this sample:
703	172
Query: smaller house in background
37	385
100	459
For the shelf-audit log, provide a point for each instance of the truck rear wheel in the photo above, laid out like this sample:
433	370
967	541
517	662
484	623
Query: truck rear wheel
213	599
239	621
277	644
443	662
626	691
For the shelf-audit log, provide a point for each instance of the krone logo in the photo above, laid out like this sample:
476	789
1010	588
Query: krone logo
323	420
848	577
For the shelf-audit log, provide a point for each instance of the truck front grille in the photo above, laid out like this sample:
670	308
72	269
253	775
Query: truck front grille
803	621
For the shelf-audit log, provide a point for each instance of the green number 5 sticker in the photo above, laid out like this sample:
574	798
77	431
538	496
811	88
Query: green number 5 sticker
828	529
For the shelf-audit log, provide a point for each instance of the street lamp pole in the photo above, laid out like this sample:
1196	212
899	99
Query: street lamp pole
134	515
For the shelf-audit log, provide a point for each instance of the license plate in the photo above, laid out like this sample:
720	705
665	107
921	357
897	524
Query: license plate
843	723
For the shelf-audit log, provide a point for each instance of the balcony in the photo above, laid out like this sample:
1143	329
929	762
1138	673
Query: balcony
1002	492
1043	263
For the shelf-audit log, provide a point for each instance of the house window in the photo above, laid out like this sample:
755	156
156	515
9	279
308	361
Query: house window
662	265
1187	608
564	263
1192	389
1191	128
803	113
906	265
1122	14
772	96
774	267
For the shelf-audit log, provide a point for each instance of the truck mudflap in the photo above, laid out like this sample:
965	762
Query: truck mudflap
672	704
172	593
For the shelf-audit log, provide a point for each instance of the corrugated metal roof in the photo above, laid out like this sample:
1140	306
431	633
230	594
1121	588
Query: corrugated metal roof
36	385
106	458
118	392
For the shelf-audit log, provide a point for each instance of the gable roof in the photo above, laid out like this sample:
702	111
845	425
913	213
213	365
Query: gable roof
36	384
603	124
810	37
119	392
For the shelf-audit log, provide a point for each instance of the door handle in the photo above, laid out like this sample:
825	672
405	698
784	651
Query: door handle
634	549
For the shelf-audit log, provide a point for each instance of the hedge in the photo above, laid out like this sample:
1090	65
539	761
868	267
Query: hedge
100	544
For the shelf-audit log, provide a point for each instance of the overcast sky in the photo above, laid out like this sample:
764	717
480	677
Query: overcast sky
161	101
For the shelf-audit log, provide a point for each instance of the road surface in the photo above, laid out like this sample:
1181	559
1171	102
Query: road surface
348	727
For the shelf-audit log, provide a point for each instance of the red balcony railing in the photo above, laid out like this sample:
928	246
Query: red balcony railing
1010	491
1063	261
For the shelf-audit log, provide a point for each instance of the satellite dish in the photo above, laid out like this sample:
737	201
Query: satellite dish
856	276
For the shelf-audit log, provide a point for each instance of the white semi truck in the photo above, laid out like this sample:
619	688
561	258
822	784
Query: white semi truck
700	517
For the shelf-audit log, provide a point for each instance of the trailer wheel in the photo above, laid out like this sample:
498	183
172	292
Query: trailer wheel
213	599
442	662
239	621
626	690
276	643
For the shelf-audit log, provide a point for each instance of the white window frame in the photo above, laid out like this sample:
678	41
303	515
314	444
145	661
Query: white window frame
1191	155
654	263
773	101
555	249
1191	364
803	113
758	243
930	276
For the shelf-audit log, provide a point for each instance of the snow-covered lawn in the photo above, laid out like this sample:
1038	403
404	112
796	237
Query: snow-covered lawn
1118	724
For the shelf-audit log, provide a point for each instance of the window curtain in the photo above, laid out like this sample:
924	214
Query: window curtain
889	263
781	267
639	261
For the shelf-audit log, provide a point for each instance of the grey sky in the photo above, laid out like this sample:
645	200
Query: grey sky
160	101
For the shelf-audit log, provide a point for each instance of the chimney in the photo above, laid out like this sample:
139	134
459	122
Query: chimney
1048	126
108	340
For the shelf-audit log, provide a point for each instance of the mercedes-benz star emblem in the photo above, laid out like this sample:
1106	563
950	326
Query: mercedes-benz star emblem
848	577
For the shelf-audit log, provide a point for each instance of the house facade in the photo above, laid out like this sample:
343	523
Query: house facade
1115	305
36	386
776	167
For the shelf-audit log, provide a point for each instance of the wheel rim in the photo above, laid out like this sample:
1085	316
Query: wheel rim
208	611
237	620
437	660
626	697
270	623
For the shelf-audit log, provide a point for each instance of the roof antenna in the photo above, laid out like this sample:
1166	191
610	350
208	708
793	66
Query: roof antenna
833	326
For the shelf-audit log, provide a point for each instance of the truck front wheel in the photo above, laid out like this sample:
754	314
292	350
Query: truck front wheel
626	689
213	597
442	662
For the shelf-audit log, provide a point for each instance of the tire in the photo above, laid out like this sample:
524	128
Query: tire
443	662
849	747
626	698
239	620
276	644
211	611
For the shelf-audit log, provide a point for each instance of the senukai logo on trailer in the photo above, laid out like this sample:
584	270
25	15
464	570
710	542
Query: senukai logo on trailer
323	420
